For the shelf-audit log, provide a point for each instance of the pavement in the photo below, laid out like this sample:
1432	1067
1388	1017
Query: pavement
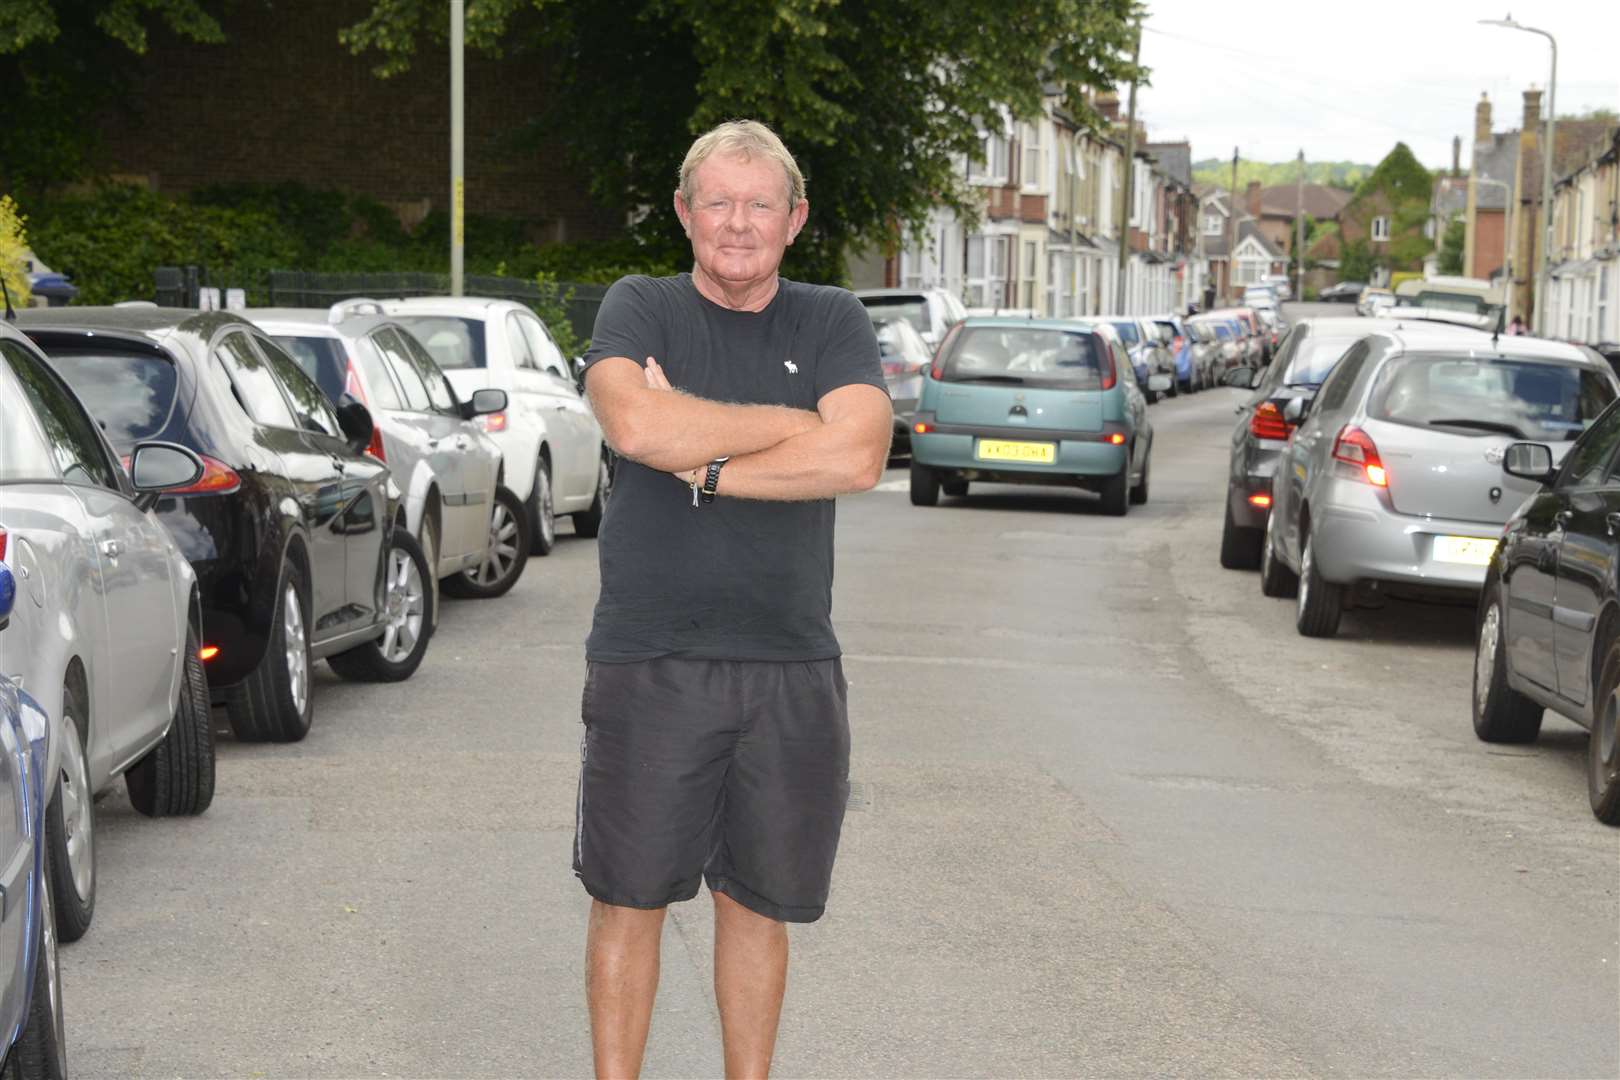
1111	816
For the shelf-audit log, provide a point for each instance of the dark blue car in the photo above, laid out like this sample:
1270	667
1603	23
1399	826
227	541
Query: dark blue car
31	995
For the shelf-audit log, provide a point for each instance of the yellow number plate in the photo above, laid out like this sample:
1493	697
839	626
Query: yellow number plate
1043	453
1463	549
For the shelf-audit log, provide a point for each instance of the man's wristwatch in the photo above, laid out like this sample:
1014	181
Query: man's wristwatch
711	480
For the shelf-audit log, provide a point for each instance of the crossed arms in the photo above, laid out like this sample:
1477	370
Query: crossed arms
776	453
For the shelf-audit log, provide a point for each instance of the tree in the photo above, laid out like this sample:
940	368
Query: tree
1451	247
877	100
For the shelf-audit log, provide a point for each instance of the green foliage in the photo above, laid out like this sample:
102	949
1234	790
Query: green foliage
13	242
552	307
1339	174
29	22
877	100
1356	261
1451	247
1401	176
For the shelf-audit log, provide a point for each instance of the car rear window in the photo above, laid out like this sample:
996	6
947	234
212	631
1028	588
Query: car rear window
130	394
1528	399
322	359
1029	355
913	309
1128	332
454	342
1314	359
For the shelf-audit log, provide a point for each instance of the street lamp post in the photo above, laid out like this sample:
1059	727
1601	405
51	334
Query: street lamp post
1546	166
458	201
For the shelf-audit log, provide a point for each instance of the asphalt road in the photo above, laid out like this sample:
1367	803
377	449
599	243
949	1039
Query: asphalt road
1112	817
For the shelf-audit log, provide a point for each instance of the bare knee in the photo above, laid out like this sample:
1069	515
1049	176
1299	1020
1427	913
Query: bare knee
731	916
625	924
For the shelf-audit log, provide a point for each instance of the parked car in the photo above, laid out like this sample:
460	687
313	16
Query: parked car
1047	401
1207	352
1246	333
33	1038
931	312
1548	631
555	458
1260	296
1228	342
1279	285
108	639
1178	342
905	357
295	532
1304	360
1374	301
1147	354
472	530
1345	292
1392	480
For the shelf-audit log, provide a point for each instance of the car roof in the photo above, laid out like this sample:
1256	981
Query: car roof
1070	325
150	322
476	307
880	293
316	322
1497	346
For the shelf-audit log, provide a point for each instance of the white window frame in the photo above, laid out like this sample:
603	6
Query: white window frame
1215	218
1380	229
1033	157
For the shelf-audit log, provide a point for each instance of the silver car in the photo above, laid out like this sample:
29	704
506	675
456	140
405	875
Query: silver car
1393	481
473	531
931	312
105	629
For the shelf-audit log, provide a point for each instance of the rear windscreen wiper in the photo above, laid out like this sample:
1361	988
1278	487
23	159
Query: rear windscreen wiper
1482	425
991	378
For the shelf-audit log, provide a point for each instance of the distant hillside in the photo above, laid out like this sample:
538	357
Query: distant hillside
1341	174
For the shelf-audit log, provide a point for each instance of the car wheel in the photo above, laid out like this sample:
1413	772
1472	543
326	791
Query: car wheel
588	523
177	775
1603	745
505	548
1276	580
70	824
429	543
542	512
1115	491
1139	492
954	488
924	485
1501	713
1240	547
1318	604
41	1049
274	704
407	620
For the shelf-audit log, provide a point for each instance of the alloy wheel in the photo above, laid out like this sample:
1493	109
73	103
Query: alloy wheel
405	607
297	647
1607	732
77	804
53	977
1490	632
1306	562
500	549
548	516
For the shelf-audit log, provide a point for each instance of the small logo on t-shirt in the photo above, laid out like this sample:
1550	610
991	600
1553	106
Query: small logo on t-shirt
793	369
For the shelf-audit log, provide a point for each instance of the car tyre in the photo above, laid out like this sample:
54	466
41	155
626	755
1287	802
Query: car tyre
1603	746
924	485
954	488
542	512
1240	547
176	777
504	558
1115	491
1318	603
428	541
408	619
41	1049
70	825
1501	713
1139	491
588	523
274	703
1276	580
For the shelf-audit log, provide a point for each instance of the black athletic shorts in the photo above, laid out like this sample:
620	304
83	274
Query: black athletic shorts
732	771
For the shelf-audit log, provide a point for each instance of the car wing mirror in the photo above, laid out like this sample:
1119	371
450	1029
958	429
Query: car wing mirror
1297	409
483	402
1240	377
1158	384
161	466
8	595
1529	461
355	421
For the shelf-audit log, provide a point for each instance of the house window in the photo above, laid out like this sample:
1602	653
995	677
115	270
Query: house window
1380	228
991	166
1032	156
1603	305
1030	256
975	271
1213	225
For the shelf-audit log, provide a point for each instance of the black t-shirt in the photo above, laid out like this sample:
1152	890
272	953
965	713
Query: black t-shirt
736	579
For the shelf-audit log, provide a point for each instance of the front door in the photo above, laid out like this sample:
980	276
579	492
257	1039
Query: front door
574	428
1529	588
1590	515
435	415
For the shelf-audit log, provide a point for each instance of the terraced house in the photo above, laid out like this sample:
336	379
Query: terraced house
1583	296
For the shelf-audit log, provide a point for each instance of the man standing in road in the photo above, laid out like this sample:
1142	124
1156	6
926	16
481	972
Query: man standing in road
716	737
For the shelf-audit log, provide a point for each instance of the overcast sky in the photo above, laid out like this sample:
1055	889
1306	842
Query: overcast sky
1347	80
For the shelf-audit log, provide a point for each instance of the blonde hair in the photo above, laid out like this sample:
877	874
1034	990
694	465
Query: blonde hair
744	139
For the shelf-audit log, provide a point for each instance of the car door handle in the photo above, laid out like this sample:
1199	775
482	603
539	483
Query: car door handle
111	548
340	465
1613	521
462	442
1562	519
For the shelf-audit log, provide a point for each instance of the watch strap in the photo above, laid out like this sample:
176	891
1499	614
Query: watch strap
712	479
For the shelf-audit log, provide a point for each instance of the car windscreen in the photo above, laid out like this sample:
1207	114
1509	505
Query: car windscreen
1314	358
322	359
130	394
454	342
1127	332
1025	355
1223	331
1527	399
913	309
1444	301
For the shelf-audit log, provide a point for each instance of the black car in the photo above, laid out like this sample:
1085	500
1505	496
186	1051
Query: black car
291	528
1345	292
1303	360
1548	631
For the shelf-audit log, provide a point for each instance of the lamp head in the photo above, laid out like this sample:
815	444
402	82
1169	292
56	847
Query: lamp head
1506	21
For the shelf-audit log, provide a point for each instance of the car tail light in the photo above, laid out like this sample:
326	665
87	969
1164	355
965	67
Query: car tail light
2	545
1266	422
1354	447
1116	438
375	446
351	385
1110	374
1262	501
922	423
492	422
207	652
218	478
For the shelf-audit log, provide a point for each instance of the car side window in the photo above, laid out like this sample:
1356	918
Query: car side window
69	431
1337	388
417	398
379	382
547	356
1592	459
522	352
438	387
251	382
310	407
1122	364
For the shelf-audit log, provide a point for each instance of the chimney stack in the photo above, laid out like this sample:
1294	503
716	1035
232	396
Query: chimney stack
1253	194
1532	110
1482	120
1108	107
1456	155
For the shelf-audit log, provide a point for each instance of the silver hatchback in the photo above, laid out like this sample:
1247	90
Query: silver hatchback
1393	479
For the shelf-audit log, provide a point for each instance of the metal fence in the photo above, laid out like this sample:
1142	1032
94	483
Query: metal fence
183	286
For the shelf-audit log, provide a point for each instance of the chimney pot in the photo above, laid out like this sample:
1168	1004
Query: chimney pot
1532	109
1456	155
1482	121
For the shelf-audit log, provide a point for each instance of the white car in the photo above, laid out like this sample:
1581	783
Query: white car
105	631
1279	285
556	460
930	311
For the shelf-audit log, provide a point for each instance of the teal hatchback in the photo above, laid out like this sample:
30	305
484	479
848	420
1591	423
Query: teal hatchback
1033	401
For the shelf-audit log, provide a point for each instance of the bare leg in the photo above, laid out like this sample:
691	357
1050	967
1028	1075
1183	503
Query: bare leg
750	976
621	980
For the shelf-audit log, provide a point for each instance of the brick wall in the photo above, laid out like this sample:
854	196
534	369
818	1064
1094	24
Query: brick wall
282	100
1490	235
